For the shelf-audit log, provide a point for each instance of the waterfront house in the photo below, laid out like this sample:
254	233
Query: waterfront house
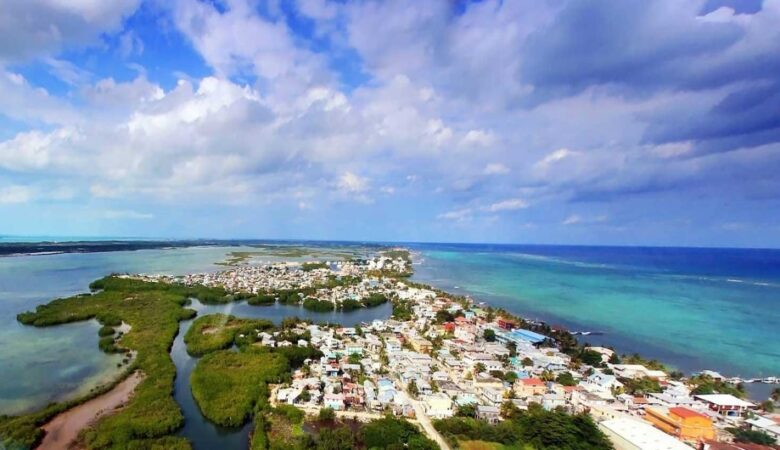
726	404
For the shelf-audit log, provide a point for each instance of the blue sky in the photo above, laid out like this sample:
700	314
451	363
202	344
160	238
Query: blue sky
639	122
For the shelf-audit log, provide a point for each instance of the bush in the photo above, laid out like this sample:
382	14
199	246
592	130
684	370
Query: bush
751	436
391	432
327	415
262	300
374	299
106	331
227	385
313	304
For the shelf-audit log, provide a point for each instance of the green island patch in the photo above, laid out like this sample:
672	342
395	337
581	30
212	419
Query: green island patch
228	386
219	331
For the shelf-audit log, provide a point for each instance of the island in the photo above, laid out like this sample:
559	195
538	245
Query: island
444	371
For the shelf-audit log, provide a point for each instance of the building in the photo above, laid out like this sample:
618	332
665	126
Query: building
725	404
334	401
505	324
438	406
630	434
490	414
683	423
528	387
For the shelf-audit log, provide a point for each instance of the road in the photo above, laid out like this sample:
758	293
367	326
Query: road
419	413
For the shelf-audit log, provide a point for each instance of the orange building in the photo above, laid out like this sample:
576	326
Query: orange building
682	423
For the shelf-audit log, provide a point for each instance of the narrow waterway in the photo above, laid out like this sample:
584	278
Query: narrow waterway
205	435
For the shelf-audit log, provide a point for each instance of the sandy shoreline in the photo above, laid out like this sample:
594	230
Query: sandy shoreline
62	431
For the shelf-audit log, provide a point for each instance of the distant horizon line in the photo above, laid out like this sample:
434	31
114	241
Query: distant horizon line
39	239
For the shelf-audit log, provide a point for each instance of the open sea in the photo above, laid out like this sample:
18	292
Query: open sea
691	308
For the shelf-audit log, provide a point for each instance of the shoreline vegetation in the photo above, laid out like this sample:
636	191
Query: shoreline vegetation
229	382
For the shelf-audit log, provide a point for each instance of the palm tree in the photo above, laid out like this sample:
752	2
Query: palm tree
775	394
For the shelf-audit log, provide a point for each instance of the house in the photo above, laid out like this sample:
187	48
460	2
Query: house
334	401
505	324
421	345
767	425
601	382
493	395
488	413
438	406
393	345
683	423
528	387
725	404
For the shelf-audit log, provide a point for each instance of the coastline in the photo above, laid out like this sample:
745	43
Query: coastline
62	431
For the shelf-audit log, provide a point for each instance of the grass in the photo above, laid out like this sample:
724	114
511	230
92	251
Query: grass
483	445
153	310
219	331
228	385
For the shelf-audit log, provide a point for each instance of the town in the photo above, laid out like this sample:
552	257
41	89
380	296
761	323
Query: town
442	356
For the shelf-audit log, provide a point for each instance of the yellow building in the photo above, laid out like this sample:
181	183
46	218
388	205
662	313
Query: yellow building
681	422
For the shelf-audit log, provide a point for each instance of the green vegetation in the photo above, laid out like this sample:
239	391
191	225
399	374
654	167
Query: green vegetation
313	304
284	429
640	386
705	385
374	299
153	310
350	305
236	258
537	428
262	300
566	379
402	310
309	266
392	433
228	386
751	436
220	331
327	415
106	330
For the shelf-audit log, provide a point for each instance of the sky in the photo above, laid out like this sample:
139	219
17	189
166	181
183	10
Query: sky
637	122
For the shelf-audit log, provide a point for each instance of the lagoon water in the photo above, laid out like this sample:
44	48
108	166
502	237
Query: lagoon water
693	308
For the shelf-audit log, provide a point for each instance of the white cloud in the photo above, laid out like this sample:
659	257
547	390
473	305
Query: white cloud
554	157
479	138
353	184
576	219
15	194
122	214
458	215
572	220
495	169
508	205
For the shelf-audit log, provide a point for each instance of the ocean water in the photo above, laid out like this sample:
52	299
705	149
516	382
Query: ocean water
692	308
